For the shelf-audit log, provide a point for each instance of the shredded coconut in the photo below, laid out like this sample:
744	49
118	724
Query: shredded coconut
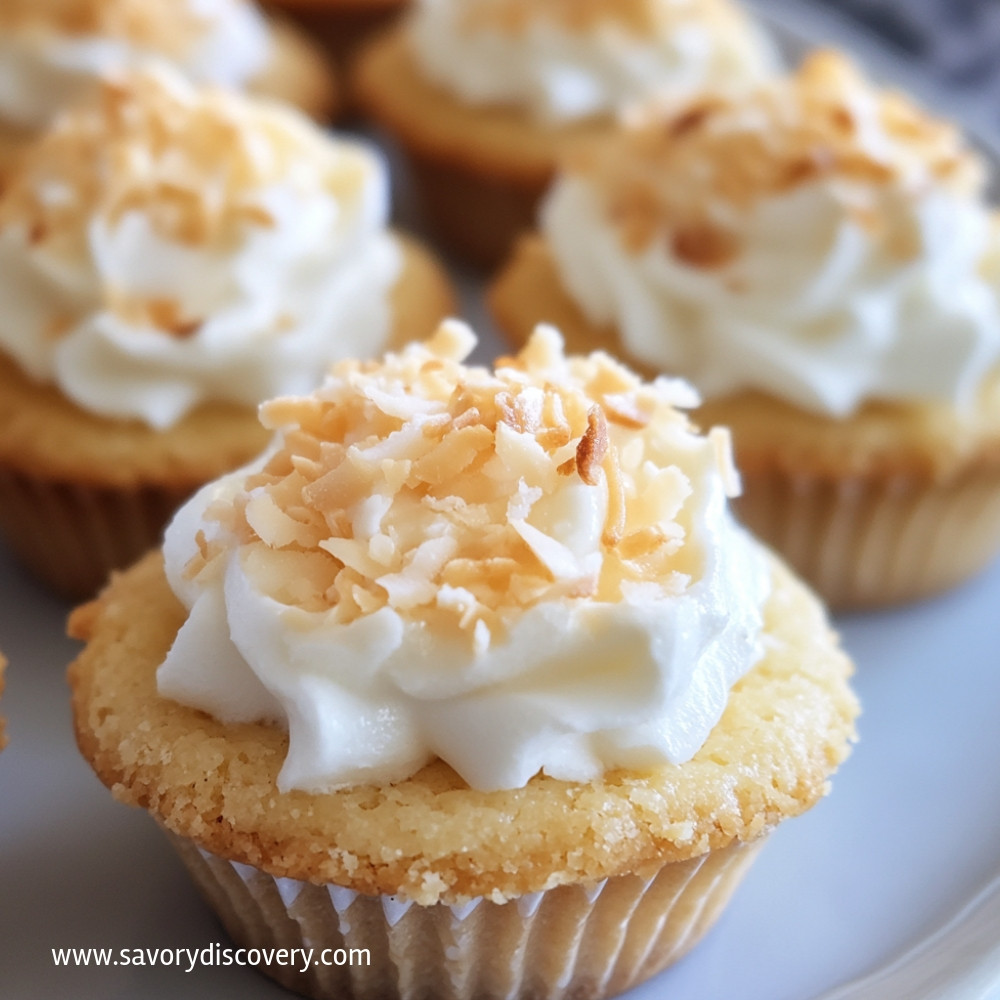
164	26
195	162
450	493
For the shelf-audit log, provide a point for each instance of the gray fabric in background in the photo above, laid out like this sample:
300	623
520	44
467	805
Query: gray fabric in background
958	40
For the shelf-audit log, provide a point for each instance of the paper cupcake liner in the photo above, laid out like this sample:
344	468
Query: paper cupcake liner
451	195
579	942
864	542
71	536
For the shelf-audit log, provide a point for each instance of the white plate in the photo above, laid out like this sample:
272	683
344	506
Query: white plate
908	843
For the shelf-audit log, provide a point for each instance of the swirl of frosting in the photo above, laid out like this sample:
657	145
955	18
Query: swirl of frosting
54	51
568	59
521	571
163	246
817	239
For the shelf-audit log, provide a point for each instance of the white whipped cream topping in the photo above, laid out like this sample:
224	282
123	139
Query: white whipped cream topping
560	74
572	686
815	309
270	312
44	71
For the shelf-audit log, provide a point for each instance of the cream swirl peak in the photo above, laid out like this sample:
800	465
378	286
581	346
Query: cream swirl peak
521	570
163	246
568	59
816	239
53	51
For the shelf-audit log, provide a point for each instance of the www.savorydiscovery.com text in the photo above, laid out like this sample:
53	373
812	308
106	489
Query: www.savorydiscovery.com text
212	955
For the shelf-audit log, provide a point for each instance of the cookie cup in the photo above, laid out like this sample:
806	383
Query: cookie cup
488	163
554	889
82	494
894	503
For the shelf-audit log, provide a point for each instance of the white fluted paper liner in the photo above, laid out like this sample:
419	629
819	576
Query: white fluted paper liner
866	541
578	941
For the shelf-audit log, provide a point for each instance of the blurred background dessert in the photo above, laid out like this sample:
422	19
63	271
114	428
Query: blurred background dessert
817	256
484	96
53	52
169	257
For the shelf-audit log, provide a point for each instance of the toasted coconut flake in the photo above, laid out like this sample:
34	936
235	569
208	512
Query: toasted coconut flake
662	492
453	341
274	526
467	418
437	425
465	514
593	446
622	408
284	411
383	550
614	525
366	600
493	572
642	542
354	554
400	405
453	455
555	556
519	456
340	488
415	584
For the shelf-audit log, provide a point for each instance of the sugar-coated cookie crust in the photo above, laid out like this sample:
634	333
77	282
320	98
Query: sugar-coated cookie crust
430	838
919	439
44	433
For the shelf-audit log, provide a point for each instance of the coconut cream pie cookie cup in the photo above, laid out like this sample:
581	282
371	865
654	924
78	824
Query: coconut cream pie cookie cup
485	96
52	52
473	670
169	257
817	257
